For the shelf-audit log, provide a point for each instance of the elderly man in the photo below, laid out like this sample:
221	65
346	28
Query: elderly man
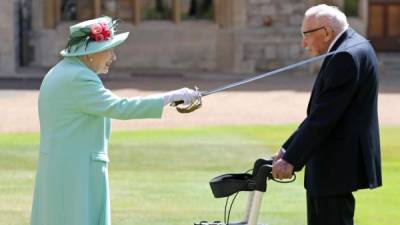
338	141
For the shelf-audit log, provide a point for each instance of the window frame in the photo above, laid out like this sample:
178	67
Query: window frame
52	11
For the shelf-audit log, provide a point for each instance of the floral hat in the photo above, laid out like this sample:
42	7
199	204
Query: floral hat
93	36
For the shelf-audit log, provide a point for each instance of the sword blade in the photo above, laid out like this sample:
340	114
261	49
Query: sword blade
271	73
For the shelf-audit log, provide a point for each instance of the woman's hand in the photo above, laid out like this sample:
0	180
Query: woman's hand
184	94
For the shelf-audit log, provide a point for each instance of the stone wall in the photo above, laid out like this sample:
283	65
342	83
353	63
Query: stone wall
159	45
254	35
251	35
8	37
273	34
154	45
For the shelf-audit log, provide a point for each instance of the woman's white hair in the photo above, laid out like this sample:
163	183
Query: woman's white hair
330	15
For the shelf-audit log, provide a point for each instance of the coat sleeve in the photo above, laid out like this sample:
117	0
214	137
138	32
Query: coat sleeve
289	140
93	98
340	84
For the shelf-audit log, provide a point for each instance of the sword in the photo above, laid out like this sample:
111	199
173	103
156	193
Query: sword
271	73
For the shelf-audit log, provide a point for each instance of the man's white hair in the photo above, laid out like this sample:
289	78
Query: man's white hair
330	15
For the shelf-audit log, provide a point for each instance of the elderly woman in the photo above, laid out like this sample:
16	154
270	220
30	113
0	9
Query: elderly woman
74	112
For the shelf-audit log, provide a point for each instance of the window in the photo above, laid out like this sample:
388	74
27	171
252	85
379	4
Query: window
351	7
198	9
189	9
129	10
157	10
69	10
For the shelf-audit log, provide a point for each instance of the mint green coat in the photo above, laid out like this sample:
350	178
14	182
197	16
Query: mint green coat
72	175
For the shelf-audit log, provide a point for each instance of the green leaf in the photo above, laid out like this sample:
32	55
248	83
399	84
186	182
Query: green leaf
82	32
76	41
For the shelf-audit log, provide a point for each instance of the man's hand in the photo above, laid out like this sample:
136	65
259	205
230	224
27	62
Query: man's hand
282	169
278	155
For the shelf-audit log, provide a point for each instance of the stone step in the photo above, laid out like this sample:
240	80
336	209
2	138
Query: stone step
389	57
390	62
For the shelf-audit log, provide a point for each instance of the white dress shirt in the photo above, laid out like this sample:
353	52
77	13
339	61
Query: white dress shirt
336	38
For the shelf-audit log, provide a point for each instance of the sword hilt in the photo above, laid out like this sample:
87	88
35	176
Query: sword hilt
174	104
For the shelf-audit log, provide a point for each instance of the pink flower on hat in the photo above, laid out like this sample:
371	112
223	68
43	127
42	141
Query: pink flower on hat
99	37
96	29
104	26
100	32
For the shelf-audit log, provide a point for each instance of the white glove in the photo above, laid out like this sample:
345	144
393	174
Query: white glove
184	94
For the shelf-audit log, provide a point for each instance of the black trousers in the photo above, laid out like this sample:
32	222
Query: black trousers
330	210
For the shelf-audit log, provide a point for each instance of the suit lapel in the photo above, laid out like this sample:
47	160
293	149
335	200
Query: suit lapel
315	87
317	84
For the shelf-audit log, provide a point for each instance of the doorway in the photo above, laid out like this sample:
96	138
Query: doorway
384	24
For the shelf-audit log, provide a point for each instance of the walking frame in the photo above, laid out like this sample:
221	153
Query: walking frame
256	183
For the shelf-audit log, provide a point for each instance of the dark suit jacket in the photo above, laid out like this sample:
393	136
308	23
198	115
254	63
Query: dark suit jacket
338	142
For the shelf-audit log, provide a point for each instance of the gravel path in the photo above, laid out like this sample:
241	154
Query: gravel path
275	100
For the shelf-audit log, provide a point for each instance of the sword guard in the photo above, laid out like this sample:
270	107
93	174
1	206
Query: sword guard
175	104
196	104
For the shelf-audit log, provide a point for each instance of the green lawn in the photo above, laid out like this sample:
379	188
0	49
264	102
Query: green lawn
160	177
